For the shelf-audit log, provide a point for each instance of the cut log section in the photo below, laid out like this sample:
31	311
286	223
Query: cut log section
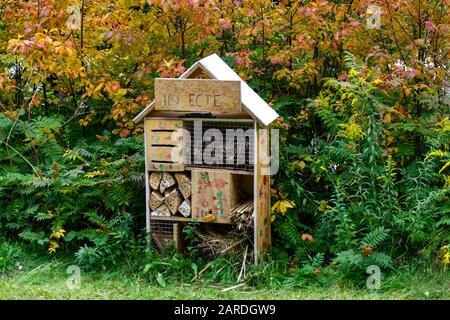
156	199
184	184
162	210
185	208
155	179
167	181
173	200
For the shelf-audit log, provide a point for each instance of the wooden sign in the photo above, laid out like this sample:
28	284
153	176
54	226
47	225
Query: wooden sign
197	95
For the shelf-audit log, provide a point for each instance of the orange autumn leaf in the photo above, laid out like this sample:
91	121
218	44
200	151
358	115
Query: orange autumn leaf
368	250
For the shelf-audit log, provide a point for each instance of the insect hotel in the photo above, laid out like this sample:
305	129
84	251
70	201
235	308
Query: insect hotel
207	154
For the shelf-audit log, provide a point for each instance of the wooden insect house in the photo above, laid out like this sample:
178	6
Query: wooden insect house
207	154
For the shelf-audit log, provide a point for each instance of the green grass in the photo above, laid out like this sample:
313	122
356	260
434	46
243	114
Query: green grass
46	279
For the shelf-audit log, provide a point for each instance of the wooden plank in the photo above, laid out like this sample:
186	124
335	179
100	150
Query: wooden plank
161	159
147	198
218	116
213	195
182	219
246	184
164	166
262	195
197	95
166	137
163	124
157	153
170	154
171	218
240	172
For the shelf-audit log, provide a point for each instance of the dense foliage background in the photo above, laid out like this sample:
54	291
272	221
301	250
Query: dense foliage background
365	128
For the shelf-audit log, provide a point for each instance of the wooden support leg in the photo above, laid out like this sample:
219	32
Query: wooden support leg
178	237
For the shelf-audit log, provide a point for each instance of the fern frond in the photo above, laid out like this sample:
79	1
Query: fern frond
375	237
348	258
352	62
380	259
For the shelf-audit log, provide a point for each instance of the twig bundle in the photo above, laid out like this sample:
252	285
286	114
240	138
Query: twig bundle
242	214
218	243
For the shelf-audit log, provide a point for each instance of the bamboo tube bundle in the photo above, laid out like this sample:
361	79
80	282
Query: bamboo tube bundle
242	214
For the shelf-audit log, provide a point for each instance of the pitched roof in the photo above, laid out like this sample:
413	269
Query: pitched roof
214	66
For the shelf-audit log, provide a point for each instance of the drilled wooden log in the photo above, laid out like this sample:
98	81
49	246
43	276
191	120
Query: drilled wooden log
167	181
184	184
162	210
185	208
173	200
156	199
155	179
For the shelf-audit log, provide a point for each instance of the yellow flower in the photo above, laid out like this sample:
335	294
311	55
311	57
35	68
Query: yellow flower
377	81
58	234
351	131
53	246
353	72
446	258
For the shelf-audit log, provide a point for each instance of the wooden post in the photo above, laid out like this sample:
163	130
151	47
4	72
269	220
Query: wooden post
178	237
262	232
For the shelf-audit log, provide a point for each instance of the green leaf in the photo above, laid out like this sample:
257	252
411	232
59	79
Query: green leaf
147	267
160	280
195	268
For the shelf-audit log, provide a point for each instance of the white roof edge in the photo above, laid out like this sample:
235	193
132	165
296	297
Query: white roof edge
219	70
